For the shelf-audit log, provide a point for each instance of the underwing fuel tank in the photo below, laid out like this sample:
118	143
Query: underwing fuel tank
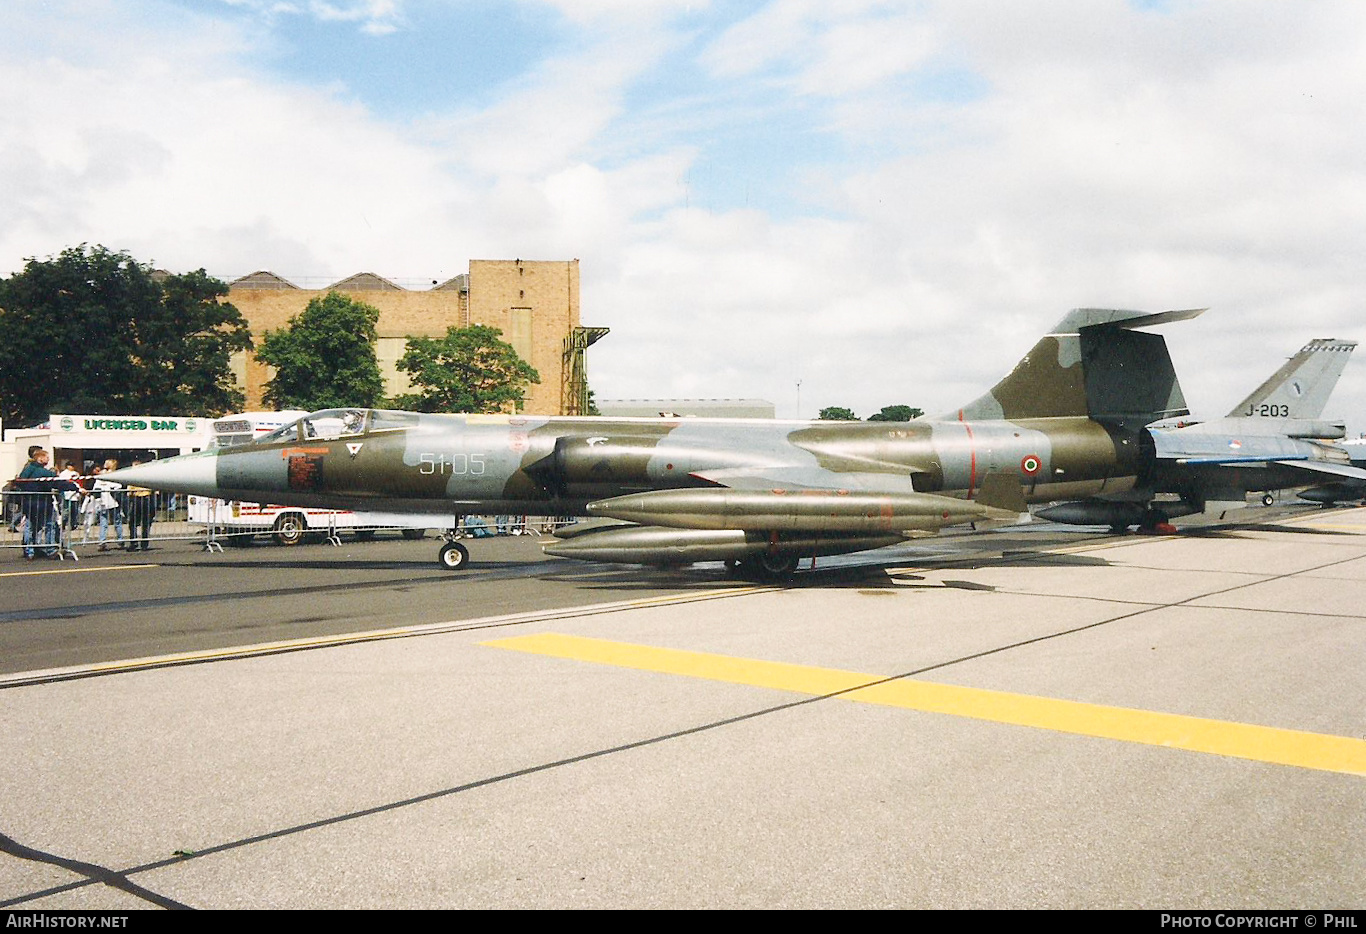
1330	493
1094	513
783	510
1101	512
638	544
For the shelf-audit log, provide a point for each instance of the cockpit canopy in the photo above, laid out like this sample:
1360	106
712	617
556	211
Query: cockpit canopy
329	424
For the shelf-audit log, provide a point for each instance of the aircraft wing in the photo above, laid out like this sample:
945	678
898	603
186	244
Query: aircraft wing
1337	470
1304	463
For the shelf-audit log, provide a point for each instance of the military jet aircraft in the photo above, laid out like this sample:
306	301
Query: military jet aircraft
759	494
1273	439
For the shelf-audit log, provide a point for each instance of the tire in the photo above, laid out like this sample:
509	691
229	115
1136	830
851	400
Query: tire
1152	518
1268	499
770	567
414	535
453	556
290	529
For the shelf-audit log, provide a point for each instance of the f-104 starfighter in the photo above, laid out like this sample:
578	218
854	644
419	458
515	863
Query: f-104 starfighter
1067	423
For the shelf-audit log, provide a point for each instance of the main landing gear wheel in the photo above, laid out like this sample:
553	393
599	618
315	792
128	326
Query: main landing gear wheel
1156	522
290	529
1268	499
770	567
453	556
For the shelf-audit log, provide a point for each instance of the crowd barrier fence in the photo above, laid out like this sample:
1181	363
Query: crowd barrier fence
63	525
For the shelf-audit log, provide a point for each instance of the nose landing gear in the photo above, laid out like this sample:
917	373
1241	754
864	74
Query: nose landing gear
453	556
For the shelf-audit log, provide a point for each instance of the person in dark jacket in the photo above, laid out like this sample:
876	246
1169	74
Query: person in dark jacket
39	488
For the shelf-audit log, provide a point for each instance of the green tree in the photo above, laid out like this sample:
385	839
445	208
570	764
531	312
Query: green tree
185	348
325	357
836	413
896	413
469	370
91	330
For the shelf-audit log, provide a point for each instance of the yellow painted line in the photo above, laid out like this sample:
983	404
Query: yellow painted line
120	567
1319	751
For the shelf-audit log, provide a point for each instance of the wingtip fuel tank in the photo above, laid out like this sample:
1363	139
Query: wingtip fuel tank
658	545
792	510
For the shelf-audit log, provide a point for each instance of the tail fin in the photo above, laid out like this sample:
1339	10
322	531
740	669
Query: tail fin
1092	364
1300	388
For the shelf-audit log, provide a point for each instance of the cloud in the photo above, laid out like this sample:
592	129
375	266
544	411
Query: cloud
375	17
823	49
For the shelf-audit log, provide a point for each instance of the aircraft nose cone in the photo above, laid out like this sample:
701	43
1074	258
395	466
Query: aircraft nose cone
189	473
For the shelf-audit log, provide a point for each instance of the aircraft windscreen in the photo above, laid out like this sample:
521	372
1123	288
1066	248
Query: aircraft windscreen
288	432
388	420
340	423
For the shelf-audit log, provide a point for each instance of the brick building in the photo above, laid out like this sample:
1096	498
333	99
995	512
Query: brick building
534	303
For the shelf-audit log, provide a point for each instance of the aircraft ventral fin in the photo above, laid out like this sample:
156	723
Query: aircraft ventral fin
1003	493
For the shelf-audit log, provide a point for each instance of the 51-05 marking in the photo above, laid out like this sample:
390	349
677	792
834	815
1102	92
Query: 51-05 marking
454	464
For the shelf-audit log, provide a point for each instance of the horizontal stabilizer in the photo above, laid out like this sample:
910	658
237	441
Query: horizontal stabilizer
1079	318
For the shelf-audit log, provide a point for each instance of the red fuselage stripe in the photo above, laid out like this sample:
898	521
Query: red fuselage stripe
972	459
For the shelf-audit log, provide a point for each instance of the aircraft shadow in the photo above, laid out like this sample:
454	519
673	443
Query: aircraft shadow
850	576
1230	531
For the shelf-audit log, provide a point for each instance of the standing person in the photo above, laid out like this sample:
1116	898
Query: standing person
71	499
37	464
13	515
141	509
90	506
108	509
40	518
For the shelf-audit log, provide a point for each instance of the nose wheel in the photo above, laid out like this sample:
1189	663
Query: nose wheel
453	556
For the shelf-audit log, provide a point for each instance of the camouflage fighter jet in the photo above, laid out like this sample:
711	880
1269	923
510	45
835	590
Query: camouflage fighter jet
759	494
1274	439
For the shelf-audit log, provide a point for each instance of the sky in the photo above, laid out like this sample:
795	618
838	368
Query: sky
814	202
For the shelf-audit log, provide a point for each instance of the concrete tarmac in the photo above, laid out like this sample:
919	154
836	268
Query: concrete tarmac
1032	718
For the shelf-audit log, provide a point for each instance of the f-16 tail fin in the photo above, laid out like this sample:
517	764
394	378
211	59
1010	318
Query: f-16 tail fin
1093	364
1300	388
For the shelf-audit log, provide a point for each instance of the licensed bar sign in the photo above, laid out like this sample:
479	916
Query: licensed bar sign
136	423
